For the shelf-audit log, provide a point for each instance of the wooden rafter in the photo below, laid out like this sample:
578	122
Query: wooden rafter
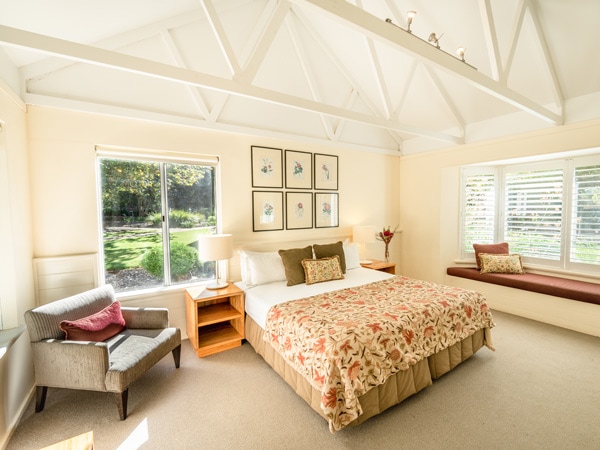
120	61
372	26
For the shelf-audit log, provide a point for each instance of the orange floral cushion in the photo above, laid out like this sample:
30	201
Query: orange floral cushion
323	269
497	263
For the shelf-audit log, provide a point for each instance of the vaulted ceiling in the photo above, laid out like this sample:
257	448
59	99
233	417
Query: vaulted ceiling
347	73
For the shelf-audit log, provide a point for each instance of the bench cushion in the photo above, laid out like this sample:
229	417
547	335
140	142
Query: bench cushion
582	291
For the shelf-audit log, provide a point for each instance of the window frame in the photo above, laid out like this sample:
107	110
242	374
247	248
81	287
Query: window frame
163	159
500	171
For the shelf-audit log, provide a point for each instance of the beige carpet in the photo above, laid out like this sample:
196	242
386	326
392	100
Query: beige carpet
539	390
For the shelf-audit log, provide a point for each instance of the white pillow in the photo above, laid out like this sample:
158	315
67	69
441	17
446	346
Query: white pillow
351	253
261	267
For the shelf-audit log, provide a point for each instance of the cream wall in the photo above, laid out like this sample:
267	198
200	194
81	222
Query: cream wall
16	279
429	207
64	197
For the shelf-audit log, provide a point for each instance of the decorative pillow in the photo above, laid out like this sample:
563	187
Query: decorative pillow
323	251
501	248
97	327
352	258
261	267
292	263
496	263
323	269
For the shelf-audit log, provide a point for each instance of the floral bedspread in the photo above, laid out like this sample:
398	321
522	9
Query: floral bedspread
348	341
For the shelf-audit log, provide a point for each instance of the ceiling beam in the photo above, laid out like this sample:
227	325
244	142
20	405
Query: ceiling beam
132	64
221	36
377	28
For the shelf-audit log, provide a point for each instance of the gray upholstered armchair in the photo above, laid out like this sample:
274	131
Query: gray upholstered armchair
111	365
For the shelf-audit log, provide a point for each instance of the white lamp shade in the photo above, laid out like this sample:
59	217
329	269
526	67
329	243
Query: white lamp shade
215	247
363	234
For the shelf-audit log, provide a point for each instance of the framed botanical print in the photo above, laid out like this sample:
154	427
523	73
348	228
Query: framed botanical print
299	210
267	210
267	167
298	170
326	210
326	172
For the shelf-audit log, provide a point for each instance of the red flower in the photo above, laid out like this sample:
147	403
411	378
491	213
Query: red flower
408	336
329	399
319	346
375	327
386	234
353	370
468	310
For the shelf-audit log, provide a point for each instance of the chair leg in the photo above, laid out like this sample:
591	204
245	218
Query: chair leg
177	355
40	398
121	398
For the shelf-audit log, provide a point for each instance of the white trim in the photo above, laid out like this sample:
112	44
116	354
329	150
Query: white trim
110	151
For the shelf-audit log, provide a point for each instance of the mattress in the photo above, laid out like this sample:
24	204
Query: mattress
259	299
398	386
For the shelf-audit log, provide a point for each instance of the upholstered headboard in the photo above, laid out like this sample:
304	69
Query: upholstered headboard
234	272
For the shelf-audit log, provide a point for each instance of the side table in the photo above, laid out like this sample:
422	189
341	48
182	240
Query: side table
382	266
214	319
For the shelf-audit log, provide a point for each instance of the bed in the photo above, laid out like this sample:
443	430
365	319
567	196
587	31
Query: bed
361	342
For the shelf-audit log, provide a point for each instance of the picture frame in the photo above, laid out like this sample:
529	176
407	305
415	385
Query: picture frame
299	210
327	210
298	170
267	210
267	167
325	171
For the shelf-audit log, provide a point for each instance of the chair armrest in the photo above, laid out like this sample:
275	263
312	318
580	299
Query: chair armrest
146	318
70	364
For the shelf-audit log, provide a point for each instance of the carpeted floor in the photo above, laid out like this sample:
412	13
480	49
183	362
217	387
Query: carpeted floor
539	390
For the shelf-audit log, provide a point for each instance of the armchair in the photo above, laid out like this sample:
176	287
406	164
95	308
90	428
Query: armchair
109	366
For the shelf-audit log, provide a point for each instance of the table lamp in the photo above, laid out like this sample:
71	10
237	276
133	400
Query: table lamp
363	235
215	247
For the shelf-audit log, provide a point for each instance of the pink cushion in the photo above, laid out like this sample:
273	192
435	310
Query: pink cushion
501	248
97	327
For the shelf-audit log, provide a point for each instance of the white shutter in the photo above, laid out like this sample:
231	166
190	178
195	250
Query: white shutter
533	206
585	228
479	208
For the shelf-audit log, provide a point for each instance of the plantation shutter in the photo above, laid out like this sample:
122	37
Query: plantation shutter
479	209
585	229
533	210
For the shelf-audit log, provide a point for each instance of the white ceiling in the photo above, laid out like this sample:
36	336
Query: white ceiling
326	71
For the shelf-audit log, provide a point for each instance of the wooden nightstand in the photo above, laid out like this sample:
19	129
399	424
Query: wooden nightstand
382	266
215	319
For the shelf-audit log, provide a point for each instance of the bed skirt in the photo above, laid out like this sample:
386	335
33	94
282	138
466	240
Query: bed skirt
398	387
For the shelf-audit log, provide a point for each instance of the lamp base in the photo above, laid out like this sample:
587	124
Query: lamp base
217	284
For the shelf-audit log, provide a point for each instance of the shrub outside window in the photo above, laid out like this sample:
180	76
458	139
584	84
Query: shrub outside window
152	214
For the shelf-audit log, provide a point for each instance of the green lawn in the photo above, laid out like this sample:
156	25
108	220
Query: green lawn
125	249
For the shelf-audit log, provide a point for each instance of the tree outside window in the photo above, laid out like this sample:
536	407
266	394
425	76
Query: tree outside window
152	215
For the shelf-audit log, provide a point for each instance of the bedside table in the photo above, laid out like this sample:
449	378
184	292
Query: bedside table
215	319
382	266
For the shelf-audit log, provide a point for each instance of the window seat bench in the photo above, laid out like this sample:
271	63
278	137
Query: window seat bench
582	291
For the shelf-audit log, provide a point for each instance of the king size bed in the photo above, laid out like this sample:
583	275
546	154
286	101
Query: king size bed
352	341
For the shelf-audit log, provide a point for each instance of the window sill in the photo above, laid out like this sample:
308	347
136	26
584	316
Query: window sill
9	337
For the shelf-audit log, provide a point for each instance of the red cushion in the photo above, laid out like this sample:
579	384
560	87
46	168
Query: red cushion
497	249
97	327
